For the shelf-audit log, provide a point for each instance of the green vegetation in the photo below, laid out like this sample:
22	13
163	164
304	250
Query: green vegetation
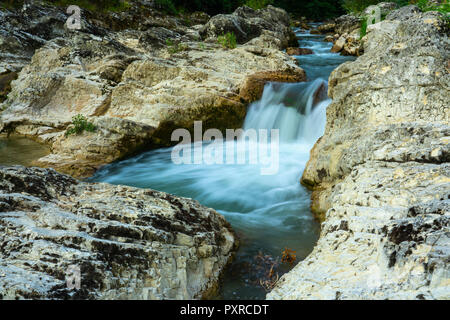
357	6
227	40
426	5
92	5
166	6
79	125
313	9
173	47
258	4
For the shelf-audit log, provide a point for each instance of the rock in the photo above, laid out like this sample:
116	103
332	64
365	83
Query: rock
347	27
385	8
128	243
339	44
327	28
5	83
380	173
254	84
347	24
298	51
314	31
404	13
329	38
246	24
136	87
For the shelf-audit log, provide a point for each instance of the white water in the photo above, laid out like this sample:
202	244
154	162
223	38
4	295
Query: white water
268	212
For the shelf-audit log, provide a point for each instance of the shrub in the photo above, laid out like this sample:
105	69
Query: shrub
175	47
426	5
166	6
79	125
258	4
227	40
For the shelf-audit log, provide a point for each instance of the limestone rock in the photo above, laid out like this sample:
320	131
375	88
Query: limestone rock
384	7
254	84
298	51
128	243
136	86
247	24
380	173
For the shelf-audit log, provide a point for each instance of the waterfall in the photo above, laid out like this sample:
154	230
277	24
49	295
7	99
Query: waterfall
297	109
269	212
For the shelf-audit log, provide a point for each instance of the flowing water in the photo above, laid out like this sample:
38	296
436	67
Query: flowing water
268	212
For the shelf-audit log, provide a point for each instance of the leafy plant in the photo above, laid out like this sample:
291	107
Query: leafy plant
79	125
227	40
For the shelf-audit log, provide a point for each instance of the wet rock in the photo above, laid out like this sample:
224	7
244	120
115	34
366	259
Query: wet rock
298	51
254	84
380	172
128	243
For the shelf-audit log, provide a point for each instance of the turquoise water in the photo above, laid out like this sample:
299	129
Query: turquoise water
268	212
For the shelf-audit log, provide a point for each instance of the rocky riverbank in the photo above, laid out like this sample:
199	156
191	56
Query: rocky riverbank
135	76
380	175
128	243
345	31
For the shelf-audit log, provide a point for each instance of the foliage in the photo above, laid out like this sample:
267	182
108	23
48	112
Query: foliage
363	29
166	6
173	47
227	40
357	6
79	125
258	4
426	5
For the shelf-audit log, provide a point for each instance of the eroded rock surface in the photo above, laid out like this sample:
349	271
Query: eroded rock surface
128	243
381	174
346	29
247	24
137	83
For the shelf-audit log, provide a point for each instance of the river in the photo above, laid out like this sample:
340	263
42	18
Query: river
268	212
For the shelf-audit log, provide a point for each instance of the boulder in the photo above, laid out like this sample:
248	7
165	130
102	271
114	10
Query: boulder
126	243
246	24
346	24
253	87
339	44
384	7
380	173
327	28
298	51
